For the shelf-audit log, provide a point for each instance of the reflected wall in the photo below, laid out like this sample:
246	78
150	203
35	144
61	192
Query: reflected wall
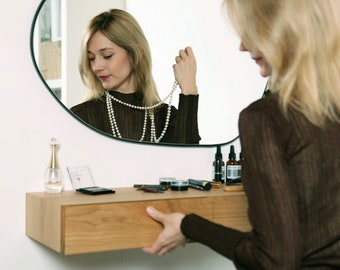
224	74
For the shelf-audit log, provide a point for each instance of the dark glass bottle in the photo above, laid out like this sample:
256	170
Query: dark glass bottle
218	166
232	168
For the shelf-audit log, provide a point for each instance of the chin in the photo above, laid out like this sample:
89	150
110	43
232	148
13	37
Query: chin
105	86
265	72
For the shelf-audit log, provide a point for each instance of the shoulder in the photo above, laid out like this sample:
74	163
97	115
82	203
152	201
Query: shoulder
267	107
265	114
264	105
88	105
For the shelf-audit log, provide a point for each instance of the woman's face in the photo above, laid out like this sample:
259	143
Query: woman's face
256	55
110	64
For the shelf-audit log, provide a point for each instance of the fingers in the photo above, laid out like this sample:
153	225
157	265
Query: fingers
159	249
184	54
171	236
155	214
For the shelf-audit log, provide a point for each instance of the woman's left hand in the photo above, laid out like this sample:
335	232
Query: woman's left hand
171	236
185	71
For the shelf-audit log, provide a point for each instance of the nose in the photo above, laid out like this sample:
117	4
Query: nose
96	65
242	48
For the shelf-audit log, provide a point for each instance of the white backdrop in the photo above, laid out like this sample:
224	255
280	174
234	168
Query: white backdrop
29	118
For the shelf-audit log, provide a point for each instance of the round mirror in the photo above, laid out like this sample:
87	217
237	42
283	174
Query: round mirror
227	79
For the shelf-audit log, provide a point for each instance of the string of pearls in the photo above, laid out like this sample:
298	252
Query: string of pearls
153	137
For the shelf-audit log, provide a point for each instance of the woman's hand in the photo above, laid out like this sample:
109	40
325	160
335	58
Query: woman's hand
171	236
185	71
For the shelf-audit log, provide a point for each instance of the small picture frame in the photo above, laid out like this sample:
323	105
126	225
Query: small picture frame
82	181
80	177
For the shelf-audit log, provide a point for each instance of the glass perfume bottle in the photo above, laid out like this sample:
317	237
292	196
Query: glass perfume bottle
53	176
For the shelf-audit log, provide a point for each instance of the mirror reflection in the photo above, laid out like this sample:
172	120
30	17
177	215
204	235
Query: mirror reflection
227	80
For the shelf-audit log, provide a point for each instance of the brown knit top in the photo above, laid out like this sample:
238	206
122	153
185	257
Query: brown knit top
183	125
291	176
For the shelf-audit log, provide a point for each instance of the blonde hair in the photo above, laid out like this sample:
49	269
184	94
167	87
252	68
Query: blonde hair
301	42
122	29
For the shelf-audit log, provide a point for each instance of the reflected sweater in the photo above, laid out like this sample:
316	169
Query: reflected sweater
183	124
291	176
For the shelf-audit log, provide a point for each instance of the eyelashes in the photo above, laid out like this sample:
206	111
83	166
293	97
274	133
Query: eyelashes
106	57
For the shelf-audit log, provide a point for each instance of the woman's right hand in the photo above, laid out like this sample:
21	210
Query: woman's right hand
171	236
185	71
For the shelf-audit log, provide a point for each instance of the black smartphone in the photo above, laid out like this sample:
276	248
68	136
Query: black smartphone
95	190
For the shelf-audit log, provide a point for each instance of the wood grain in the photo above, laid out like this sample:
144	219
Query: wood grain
73	223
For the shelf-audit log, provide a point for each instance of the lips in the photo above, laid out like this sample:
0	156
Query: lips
103	78
257	59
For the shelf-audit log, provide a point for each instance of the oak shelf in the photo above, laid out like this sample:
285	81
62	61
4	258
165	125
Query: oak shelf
75	223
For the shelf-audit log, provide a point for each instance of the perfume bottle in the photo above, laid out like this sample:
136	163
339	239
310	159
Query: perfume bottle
53	176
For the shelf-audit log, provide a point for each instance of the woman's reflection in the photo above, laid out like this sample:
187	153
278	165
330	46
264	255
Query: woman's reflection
123	100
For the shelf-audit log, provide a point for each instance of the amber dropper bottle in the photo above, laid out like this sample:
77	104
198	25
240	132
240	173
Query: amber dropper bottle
232	170
239	163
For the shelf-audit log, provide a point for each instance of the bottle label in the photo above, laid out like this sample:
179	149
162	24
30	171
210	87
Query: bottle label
218	174
239	171
233	172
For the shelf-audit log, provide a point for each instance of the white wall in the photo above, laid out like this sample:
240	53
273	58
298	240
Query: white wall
29	118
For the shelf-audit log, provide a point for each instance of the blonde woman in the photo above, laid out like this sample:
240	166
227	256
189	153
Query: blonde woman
290	140
123	101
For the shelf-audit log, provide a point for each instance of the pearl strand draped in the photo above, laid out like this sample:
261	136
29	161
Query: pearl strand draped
153	137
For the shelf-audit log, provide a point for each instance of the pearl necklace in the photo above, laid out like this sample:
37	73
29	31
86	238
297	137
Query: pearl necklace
153	137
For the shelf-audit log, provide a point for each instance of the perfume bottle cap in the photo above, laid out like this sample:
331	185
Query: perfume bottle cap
54	141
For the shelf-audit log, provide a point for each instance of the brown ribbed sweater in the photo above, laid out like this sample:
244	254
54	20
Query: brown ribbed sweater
183	124
291	176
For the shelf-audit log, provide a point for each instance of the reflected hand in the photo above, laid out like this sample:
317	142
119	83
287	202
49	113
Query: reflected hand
171	236
185	71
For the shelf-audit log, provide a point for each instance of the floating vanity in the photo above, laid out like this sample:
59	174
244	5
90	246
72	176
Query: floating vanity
75	223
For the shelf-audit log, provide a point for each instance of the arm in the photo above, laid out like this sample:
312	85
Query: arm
275	239
274	242
184	123
183	126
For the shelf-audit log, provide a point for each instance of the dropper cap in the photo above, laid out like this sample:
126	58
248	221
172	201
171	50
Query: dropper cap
218	152
232	154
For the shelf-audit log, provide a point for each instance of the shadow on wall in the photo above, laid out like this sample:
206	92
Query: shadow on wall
192	256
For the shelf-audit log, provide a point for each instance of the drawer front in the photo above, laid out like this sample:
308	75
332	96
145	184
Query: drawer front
114	226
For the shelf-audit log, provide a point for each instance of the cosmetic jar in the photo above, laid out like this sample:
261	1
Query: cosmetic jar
179	185
166	181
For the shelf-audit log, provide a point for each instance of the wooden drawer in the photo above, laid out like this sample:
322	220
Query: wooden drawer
74	223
